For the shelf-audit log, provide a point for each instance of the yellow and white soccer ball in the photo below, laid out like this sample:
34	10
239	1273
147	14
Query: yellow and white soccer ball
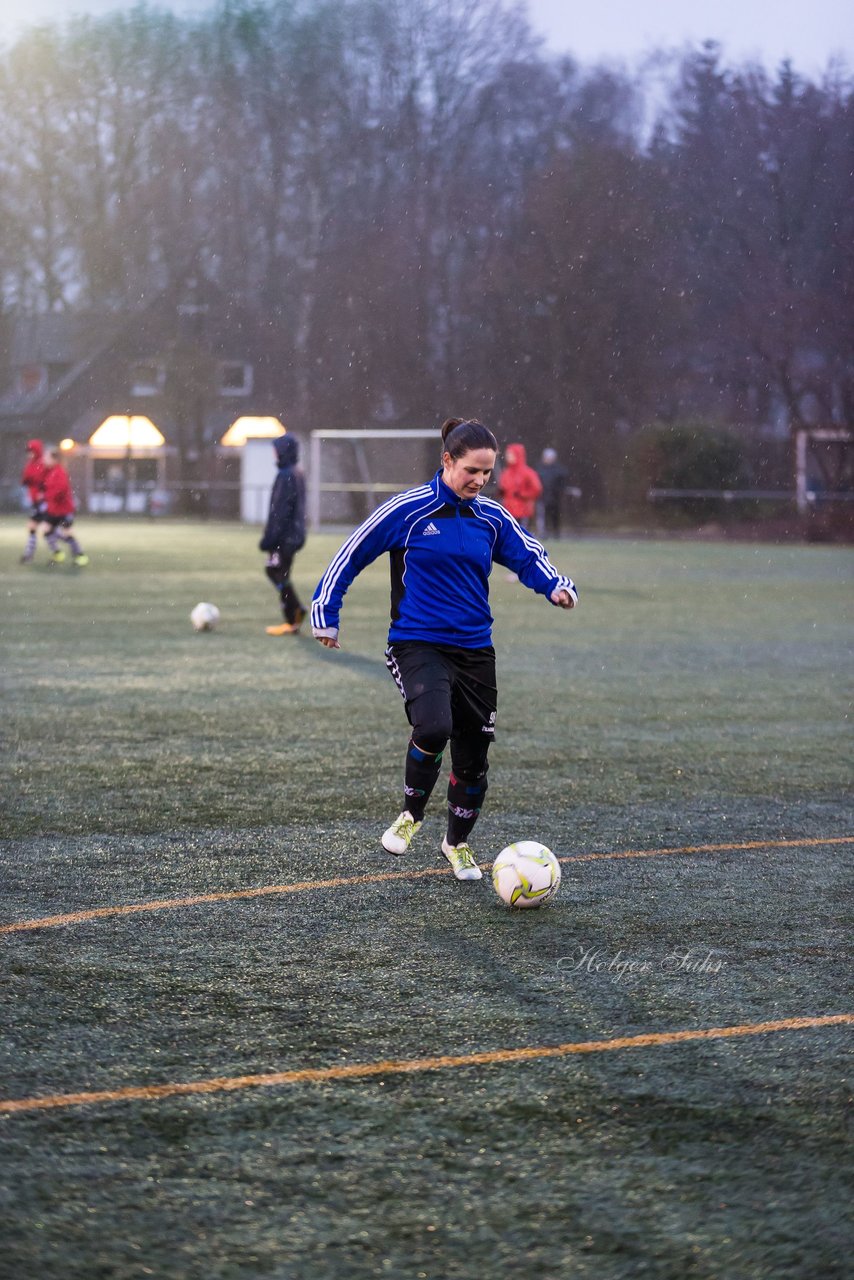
204	616
526	874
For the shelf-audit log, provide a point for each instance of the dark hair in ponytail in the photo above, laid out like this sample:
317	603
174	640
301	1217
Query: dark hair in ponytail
461	435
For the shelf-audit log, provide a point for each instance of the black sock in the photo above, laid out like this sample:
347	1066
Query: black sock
292	610
465	798
419	779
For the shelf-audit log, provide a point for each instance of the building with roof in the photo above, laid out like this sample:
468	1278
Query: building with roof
189	363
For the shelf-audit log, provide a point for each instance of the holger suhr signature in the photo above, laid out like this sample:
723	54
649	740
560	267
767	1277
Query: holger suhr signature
618	966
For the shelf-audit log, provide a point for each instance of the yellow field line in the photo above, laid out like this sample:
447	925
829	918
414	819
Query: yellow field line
745	845
404	1066
339	882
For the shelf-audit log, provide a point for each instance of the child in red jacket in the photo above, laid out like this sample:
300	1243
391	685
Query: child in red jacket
32	477
59	511
519	485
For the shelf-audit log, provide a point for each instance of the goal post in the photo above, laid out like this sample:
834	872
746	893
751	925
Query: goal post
324	478
806	437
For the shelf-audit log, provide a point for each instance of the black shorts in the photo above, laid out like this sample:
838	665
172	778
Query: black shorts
449	675
58	522
37	511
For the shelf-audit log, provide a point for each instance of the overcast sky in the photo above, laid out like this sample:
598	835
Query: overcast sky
807	31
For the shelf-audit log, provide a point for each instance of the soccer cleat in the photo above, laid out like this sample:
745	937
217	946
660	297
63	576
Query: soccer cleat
397	838
58	557
289	628
462	860
81	560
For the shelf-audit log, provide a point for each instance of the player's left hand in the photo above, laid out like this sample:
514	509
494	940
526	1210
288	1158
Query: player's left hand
562	598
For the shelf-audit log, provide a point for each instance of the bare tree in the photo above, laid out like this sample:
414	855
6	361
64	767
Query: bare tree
42	271
431	215
760	197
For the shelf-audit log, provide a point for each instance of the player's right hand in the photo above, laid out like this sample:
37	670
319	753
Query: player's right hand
562	599
328	642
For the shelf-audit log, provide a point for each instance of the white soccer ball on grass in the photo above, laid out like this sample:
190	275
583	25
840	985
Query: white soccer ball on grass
204	616
526	874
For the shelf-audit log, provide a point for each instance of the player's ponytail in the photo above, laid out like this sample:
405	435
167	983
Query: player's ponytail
461	435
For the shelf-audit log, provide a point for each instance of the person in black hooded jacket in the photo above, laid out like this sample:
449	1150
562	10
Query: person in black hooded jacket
284	533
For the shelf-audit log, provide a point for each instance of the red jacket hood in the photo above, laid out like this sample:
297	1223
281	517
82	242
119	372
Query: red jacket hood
520	457
35	447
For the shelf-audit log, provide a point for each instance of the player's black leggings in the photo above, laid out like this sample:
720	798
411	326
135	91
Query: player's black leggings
450	695
278	570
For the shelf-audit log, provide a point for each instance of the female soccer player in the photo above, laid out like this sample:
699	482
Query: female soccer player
442	539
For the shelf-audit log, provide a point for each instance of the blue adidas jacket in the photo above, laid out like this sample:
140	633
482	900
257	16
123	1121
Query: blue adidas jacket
442	549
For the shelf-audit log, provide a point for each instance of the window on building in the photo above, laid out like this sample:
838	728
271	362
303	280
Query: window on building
148	378
31	379
235	378
115	475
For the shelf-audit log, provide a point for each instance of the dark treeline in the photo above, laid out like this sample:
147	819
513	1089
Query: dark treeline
432	216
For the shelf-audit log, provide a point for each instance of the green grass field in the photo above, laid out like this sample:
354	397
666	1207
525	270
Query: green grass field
295	1065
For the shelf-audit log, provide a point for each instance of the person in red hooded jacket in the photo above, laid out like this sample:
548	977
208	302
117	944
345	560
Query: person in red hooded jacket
59	508
32	478
519	486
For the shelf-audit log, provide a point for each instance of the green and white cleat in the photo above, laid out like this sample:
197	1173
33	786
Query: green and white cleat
397	838
57	557
81	560
462	860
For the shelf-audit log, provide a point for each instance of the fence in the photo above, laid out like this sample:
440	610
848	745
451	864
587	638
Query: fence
810	496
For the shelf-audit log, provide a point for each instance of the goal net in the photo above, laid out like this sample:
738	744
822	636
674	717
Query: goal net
352	471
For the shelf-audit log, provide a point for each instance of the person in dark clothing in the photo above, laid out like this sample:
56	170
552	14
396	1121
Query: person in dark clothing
553	477
284	533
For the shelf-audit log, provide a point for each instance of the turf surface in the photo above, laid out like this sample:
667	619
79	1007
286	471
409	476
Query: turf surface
698	697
